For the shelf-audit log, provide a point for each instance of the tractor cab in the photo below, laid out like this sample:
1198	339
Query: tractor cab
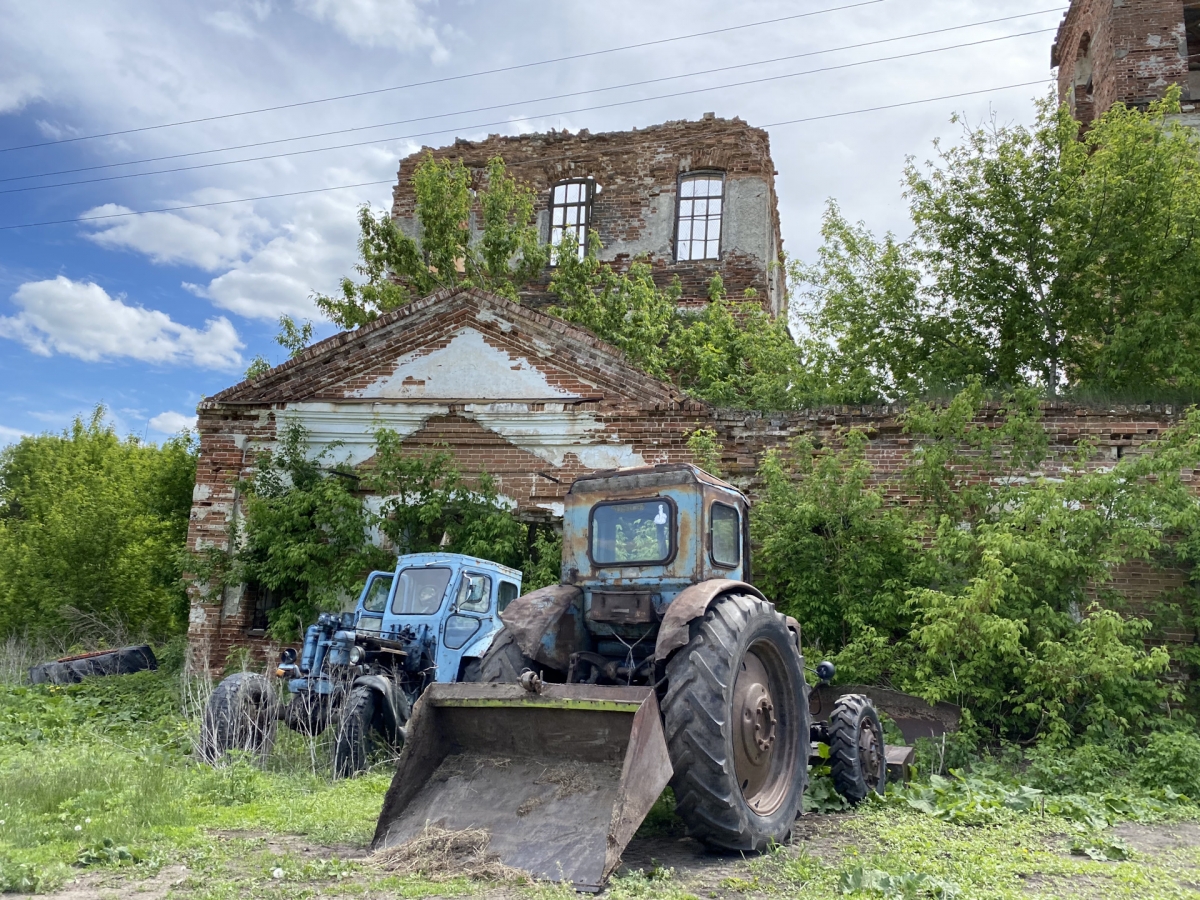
635	539
449	603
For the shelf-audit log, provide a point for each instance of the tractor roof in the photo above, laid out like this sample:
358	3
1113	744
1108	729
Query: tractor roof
636	477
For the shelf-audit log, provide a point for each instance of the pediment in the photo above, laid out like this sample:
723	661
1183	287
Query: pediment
467	367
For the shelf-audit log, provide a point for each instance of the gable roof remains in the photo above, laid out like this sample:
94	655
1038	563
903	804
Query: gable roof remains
459	344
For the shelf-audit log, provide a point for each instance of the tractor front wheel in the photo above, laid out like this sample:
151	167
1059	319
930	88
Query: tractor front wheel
735	715
239	715
856	751
355	737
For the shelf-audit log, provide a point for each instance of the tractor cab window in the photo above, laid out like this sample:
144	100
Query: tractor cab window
420	591
377	593
508	593
725	535
474	593
632	533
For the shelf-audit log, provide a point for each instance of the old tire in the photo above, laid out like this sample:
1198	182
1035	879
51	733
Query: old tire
240	716
856	750
73	669
307	713
736	722
355	737
504	662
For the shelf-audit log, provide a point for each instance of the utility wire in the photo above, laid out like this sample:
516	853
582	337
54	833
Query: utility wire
450	78
478	109
509	121
392	181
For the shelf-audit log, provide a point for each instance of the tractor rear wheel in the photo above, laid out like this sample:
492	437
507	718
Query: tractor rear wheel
240	715
355	737
856	752
736	723
503	663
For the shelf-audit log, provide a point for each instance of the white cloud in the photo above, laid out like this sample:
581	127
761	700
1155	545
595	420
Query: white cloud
317	247
378	23
10	435
81	320
173	422
16	91
209	239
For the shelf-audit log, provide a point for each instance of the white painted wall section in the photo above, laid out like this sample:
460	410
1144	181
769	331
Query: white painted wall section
466	368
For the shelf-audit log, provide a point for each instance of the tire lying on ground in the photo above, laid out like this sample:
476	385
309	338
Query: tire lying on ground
72	669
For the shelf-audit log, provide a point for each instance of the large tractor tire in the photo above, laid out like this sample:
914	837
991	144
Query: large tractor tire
356	734
240	716
73	669
856	750
736	721
503	663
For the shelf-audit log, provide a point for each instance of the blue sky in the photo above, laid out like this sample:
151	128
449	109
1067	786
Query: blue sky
147	314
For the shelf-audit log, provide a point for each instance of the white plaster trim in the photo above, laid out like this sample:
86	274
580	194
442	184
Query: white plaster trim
466	367
550	434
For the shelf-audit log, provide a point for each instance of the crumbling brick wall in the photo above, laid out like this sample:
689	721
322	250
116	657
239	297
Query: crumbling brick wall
634	213
1129	51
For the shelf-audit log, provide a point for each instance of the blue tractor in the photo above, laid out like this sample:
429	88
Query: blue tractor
655	661
431	620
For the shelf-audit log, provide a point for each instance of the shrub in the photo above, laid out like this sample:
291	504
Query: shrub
1171	759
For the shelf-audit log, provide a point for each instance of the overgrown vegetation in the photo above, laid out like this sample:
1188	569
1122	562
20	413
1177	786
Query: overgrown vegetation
991	587
309	537
90	527
1037	258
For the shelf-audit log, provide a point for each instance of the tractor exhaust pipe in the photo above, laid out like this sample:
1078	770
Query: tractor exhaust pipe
560	776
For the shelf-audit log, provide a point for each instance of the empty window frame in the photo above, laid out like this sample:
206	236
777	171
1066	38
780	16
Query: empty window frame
571	213
698	220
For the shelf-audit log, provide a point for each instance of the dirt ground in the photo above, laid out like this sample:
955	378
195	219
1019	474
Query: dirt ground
696	871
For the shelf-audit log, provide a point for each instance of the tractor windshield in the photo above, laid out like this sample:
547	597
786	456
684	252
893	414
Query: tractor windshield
420	591
633	532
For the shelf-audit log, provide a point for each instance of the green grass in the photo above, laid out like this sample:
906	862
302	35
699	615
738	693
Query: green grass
96	781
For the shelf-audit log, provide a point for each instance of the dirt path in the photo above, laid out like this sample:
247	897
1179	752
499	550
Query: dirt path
252	865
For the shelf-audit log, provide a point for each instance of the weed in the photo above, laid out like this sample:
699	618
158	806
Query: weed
860	880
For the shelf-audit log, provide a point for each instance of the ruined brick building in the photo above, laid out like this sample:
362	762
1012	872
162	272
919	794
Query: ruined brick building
1128	51
694	199
535	401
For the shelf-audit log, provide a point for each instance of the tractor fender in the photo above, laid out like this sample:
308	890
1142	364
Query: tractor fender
547	624
691	604
394	709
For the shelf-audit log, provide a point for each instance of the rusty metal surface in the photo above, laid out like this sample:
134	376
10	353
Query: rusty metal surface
621	607
692	603
915	717
560	779
900	761
547	624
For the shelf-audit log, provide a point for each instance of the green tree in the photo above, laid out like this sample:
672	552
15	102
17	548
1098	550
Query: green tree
486	239
1037	258
306	533
90	526
991	586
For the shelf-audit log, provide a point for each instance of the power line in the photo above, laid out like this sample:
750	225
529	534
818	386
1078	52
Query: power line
449	78
509	121
343	187
478	109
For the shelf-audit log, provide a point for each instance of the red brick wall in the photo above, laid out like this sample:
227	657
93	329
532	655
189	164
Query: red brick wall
1137	47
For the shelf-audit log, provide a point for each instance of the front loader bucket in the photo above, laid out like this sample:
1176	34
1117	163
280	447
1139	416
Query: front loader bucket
560	779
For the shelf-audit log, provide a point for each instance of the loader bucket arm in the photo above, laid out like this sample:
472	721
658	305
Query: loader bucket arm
560	779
